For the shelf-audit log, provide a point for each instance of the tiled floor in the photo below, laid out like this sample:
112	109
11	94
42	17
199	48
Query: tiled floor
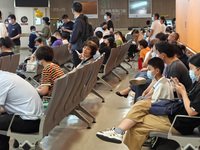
72	133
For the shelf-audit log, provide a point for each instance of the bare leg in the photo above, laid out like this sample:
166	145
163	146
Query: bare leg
125	91
127	124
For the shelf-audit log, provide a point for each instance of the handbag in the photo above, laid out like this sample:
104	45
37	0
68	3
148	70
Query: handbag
31	66
166	107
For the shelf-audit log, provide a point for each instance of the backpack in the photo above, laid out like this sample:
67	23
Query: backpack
88	31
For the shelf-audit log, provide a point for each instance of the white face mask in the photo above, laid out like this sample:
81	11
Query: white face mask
105	17
7	25
10	22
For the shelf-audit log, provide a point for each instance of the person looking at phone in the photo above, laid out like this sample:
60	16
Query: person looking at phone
50	72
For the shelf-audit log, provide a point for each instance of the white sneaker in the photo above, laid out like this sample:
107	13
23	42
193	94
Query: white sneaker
138	81
110	136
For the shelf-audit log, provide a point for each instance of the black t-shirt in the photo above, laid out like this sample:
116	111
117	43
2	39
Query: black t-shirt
14	30
68	26
110	25
187	125
6	54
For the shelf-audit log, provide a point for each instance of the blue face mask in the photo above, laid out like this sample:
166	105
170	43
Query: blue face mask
152	18
39	63
192	76
37	46
153	55
105	17
33	32
149	75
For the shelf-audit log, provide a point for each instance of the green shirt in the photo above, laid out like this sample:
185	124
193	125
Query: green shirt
119	42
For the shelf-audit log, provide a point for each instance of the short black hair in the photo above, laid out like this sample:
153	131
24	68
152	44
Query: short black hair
178	49
157	15
165	47
0	14
77	7
32	27
45	52
144	43
12	16
57	32
46	19
94	39
108	14
92	45
195	60
65	35
161	36
65	16
99	34
135	31
169	29
157	63
7	42
53	39
148	22
39	40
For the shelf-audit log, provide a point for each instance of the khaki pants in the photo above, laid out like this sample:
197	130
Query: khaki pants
137	135
16	49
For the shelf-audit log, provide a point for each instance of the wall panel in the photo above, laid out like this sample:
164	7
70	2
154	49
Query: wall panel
120	19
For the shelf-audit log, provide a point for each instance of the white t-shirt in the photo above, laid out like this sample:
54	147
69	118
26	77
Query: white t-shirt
162	89
3	30
156	27
163	26
18	96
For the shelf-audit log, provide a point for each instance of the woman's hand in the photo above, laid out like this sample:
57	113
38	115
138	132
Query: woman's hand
180	88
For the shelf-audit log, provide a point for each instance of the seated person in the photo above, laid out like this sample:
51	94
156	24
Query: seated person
103	28
173	38
180	53
118	38
89	50
105	47
6	45
18	96
50	72
161	36
144	49
138	122
65	37
51	40
162	87
99	35
32	38
96	41
58	42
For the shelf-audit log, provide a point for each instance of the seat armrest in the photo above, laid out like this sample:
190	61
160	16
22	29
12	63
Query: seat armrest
181	116
42	118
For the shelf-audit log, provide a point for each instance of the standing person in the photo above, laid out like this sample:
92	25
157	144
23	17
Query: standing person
163	24
32	38
107	17
3	30
67	24
46	32
14	32
155	27
76	40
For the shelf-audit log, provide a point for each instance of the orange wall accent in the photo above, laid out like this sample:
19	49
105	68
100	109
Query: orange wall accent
188	23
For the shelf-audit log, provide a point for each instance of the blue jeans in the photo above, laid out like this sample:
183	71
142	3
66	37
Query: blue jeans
139	89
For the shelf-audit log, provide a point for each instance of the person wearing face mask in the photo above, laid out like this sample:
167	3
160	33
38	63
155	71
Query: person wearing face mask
78	33
50	72
155	27
14	32
138	122
6	45
32	38
107	17
3	30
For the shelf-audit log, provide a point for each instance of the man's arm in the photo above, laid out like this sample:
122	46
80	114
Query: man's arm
16	37
2	110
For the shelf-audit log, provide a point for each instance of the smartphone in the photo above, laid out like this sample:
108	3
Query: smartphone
174	81
78	52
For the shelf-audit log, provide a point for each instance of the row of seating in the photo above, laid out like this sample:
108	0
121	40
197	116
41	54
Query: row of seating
9	63
117	56
69	91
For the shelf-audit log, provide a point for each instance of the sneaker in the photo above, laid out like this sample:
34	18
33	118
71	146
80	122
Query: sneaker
138	81
110	136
